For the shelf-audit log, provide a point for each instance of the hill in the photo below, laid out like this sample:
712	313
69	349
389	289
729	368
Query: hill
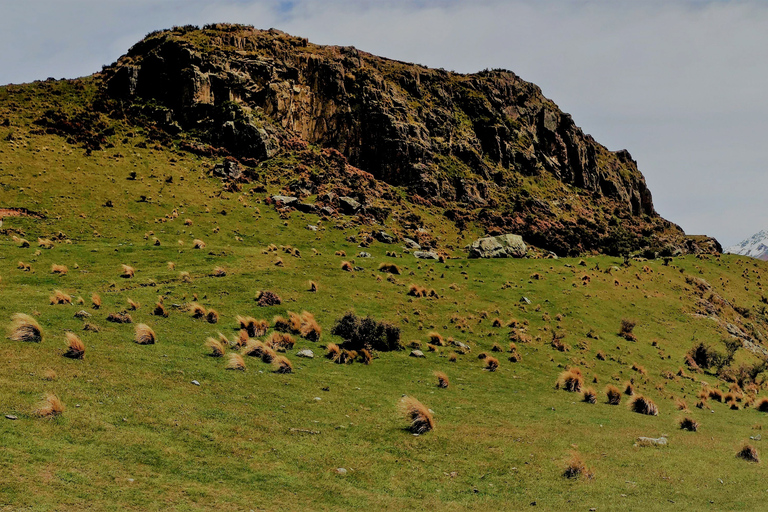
108	213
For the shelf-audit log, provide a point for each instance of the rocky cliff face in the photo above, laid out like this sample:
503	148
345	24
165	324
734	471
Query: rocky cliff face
486	146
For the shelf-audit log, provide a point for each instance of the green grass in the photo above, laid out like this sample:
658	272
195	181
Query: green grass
136	434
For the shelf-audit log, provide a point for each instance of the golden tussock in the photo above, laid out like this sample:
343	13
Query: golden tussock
680	404
185	277
343	254
120	318
252	326
49	375
282	364
453	357
253	348
436	339
491	364
197	310
575	468
44	243
25	328
171	265
75	347
333	352
749	453
59	297
312	286
59	269
280	341
346	266
629	389
187	222
160	310
242	338
50	406
212	317
217	347
23	243
589	396
144	335
689	424
418	414
639	369
415	290
762	404
268	355
198	244
96	301
643	405
279	262
88	326
390	268
442	379
26	267
235	362
133	305
219	272
365	356
570	380
496	348
128	272
613	395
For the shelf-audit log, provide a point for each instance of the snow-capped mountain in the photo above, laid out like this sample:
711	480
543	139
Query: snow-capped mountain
755	246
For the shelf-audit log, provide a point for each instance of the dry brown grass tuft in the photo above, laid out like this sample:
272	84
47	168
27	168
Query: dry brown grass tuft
185	277
436	339
120	318
128	272
418	414
643	405
26	267
235	362
415	290
715	394
282	364
333	352
629	389
625	330
25	328
279	262
49	375
390	268
96	301
575	468
171	265
613	395
50	406
59	269
442	379
253	348
219	272
680	404
160	310
689	424
453	357
365	356
312	286
212	317
748	453
589	396
44	243
639	369
198	244
491	364
75	347
133	305
762	404
268	355
59	297
217	347
346	266
23	243
144	335
197	310
496	348
310	329
280	341
252	326
570	380
187	222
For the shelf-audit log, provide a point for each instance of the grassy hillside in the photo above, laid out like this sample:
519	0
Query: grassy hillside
136	433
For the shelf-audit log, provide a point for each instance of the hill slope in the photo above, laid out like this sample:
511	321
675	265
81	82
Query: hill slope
92	190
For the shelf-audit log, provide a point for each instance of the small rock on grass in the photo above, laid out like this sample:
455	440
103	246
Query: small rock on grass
195	383
11	417
341	471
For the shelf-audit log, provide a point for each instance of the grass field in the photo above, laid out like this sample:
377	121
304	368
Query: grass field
138	434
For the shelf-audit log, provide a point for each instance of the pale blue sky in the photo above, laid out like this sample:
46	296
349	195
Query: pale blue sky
680	84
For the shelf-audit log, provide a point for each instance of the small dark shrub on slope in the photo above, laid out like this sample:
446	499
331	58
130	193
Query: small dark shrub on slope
359	333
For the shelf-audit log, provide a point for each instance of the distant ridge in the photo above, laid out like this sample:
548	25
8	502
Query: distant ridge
755	246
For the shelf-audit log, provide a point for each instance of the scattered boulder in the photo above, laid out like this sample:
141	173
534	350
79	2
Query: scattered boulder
363	254
82	314
228	170
311	227
462	346
503	246
426	255
651	441
305	353
525	300
384	237
411	244
416	353
348	205
285	200
306	207
327	210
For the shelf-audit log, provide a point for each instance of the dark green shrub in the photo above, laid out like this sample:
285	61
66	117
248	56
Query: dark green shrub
367	333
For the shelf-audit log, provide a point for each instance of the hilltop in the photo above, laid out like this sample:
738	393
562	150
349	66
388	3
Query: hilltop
119	204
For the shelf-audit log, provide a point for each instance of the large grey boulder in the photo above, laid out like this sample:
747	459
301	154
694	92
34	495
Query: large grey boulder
503	246
348	205
426	255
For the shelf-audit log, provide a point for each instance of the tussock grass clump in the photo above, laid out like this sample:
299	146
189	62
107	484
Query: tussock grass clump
128	272
50	406
515	357
219	272
133	305
267	298
421	420
589	396
454	357
235	362
59	297
96	301
144	335
44	243
120	318
212	317
415	290
575	468
365	357
748	453
185	277
310	329
442	379
59	269
279	262
570	380
496	348
639	369
23	243
390	268
253	348
197	310
689	424
681	404
26	267
49	375
346	266
171	265
436	339
312	286
629	389
280	341
88	326
333	352
198	244
491	364
75	347
282	364
625	330
160	310
715	394
252	326
268	354
25	328
613	395
762	404
217	347
643	405
496	322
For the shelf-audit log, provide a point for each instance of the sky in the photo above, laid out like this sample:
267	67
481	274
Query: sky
681	84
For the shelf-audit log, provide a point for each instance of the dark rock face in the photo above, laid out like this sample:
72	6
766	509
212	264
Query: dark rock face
488	140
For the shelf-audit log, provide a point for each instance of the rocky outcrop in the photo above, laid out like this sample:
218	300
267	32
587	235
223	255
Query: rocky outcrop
504	246
488	140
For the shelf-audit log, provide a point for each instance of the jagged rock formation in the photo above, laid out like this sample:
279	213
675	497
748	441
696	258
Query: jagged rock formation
486	147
